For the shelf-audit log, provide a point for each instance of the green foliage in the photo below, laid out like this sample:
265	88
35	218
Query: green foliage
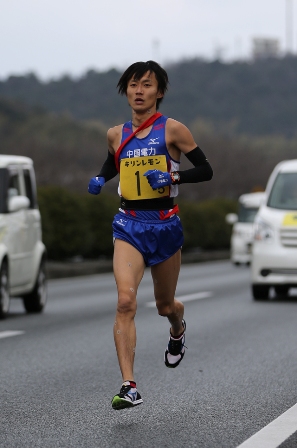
204	223
100	211
75	224
81	224
63	221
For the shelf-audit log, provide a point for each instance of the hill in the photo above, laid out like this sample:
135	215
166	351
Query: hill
68	152
65	152
256	98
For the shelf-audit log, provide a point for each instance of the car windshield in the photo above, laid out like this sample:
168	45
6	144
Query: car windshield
284	192
246	214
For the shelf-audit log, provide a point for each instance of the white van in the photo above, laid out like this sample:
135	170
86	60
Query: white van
274	256
22	253
243	225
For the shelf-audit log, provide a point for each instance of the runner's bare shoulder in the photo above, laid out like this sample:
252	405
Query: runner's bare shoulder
174	126
114	136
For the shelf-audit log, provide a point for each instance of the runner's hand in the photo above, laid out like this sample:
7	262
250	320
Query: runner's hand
95	185
158	179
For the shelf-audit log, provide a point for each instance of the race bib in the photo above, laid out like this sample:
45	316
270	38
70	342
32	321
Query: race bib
134	185
290	219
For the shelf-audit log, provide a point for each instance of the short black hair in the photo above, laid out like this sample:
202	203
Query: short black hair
137	70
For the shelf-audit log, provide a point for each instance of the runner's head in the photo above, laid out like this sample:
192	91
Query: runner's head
138	70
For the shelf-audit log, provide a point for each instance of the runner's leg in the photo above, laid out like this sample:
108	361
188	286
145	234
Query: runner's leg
128	266
165	276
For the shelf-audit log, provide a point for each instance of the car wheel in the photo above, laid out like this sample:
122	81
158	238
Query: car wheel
36	300
4	290
260	292
281	290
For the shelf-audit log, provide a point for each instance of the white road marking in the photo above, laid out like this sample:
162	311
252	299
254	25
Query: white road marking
8	334
187	298
275	433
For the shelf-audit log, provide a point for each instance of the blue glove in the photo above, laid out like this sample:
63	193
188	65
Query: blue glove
95	185
158	179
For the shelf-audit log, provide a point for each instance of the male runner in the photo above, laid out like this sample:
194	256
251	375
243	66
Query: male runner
147	230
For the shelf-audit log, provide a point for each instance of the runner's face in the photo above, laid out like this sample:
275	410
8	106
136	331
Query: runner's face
142	94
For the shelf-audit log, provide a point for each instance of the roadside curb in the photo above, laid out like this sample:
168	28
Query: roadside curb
57	269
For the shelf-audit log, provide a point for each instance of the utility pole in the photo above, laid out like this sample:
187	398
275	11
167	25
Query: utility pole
156	48
289	26
237	49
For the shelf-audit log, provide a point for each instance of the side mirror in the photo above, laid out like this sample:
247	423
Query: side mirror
231	218
16	203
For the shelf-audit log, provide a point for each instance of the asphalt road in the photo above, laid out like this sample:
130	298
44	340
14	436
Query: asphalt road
58	376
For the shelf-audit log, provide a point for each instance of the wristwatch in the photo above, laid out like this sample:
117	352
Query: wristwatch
175	177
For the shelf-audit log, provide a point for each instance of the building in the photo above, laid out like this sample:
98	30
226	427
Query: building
265	48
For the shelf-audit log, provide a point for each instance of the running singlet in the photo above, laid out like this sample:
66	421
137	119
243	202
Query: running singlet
140	155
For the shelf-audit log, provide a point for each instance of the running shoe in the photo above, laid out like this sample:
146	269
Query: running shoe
175	351
127	398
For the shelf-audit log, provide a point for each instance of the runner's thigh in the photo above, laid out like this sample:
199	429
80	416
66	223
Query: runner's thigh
128	266
165	276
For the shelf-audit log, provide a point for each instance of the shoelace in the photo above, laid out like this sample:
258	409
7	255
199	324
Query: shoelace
175	347
124	390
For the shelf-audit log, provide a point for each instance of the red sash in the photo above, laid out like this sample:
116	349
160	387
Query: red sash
144	125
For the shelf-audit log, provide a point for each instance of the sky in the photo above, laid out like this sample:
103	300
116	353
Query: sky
53	38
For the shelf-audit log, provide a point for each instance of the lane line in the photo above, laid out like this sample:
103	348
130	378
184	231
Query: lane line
275	433
9	334
187	298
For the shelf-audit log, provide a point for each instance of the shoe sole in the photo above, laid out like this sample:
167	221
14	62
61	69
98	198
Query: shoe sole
120	403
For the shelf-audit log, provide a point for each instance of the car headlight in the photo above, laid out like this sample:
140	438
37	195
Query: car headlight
263	231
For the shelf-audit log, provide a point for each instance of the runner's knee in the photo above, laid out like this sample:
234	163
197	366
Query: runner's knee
126	304
169	308
164	309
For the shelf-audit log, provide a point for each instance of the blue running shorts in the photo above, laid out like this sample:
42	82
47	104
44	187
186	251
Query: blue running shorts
156	239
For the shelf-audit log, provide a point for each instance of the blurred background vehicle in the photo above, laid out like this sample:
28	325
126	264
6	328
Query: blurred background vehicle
243	227
274	257
22	253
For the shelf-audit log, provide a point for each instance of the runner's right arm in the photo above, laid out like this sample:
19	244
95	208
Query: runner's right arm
108	170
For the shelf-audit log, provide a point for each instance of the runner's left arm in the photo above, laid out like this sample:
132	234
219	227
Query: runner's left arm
201	172
180	140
